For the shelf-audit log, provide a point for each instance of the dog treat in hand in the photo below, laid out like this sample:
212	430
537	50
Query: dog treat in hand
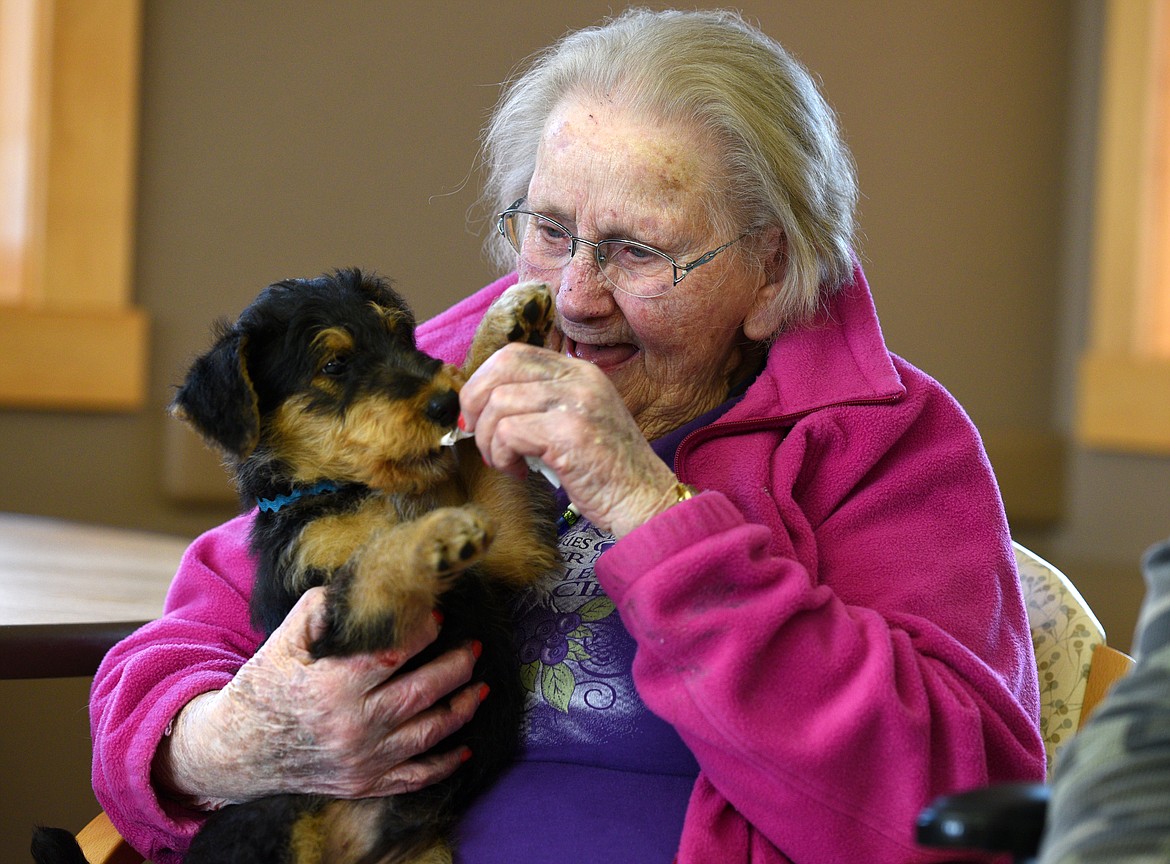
534	464
451	437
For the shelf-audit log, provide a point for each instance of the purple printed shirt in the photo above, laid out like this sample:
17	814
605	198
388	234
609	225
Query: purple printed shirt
597	770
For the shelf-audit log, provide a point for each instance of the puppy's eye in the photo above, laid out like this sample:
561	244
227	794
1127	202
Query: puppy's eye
335	367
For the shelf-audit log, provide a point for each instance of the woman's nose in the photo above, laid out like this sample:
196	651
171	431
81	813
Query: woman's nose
583	292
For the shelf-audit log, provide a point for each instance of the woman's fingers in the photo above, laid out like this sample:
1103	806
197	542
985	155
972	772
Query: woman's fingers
422	772
345	726
423	732
380	748
410	693
529	402
515	381
520	387
301	628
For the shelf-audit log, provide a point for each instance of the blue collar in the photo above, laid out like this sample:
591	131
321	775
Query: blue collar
271	505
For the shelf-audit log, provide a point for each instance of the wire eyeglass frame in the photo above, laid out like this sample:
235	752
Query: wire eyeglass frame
510	221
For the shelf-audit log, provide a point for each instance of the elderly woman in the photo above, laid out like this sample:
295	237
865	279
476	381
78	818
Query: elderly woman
788	614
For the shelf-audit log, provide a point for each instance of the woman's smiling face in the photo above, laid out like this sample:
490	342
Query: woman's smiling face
604	172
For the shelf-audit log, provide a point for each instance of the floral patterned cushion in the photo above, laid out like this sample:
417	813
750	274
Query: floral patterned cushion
1064	634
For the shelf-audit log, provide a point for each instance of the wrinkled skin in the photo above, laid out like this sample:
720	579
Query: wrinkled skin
343	726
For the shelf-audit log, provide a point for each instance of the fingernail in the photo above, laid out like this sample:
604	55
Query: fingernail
438	616
461	423
484	690
465	755
477	648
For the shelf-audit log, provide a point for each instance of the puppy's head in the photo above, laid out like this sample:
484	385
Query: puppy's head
321	379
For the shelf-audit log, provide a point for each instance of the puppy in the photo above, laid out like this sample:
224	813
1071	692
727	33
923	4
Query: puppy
331	418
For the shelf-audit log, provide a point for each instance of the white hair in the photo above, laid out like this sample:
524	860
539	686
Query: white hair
785	164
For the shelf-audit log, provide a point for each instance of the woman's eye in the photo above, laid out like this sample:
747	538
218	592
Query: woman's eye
628	256
335	367
551	233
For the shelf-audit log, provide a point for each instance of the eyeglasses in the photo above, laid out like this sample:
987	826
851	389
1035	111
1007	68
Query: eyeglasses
629	266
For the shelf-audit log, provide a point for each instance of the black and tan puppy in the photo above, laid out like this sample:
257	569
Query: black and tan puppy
330	418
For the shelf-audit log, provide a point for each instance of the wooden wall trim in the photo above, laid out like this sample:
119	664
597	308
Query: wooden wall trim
91	361
73	340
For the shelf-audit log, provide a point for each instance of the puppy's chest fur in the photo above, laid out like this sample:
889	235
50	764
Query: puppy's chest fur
383	553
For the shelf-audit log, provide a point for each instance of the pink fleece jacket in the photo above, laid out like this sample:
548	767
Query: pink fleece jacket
835	626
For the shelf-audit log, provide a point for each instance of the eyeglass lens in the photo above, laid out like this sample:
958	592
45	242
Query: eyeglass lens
630	267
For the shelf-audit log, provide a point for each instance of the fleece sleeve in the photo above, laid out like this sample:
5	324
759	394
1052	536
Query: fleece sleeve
833	670
198	645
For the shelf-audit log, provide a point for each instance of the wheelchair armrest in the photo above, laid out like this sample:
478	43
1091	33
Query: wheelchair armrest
1005	818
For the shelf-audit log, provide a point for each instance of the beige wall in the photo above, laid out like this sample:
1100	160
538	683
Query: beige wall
286	138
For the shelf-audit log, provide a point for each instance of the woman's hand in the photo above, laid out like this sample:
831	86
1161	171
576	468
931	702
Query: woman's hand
531	402
341	726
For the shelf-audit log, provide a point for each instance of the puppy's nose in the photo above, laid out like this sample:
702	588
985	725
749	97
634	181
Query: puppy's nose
443	408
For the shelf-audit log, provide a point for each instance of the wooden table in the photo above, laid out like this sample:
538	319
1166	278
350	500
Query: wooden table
68	592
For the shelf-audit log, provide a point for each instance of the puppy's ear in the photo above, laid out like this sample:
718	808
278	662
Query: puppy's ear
218	400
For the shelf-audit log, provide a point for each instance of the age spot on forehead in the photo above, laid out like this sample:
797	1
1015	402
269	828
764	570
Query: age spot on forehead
621	163
672	156
672	171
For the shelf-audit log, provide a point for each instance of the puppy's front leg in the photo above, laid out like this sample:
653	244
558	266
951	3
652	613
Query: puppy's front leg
394	581
523	313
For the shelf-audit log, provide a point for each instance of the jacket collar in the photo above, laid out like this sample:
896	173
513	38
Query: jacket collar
840	357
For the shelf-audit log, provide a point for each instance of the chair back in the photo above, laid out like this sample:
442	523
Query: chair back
1065	635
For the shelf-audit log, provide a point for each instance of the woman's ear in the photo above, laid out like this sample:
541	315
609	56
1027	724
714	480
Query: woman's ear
765	315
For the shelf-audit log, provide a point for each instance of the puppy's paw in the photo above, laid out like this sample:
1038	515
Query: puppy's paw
523	313
453	539
390	587
529	306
